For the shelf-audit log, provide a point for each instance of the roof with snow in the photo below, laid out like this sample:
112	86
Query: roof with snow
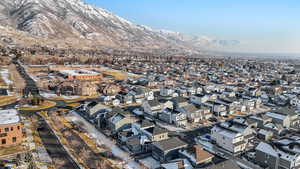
9	116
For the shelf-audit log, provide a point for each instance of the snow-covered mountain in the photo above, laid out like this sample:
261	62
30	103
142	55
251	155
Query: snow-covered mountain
60	19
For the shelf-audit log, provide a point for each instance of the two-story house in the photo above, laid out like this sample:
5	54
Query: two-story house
228	139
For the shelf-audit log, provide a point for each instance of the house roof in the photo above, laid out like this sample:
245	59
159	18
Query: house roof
117	110
156	130
170	144
95	108
147	124
285	111
9	116
153	103
133	141
224	165
197	154
179	99
117	117
190	108
138	91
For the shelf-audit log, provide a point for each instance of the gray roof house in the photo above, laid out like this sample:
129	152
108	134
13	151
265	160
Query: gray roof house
285	117
166	150
274	157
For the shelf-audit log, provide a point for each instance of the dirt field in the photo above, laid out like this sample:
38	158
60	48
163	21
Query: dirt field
83	148
4	100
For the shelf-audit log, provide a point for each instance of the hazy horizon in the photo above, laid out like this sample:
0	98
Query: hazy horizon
260	27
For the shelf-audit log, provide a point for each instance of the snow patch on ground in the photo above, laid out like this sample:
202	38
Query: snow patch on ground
103	140
48	95
5	76
150	162
70	97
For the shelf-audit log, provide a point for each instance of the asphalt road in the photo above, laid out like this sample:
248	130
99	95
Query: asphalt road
189	136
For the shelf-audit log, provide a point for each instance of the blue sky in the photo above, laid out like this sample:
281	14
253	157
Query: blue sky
271	26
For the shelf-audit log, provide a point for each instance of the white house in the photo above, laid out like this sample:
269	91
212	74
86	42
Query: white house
166	92
230	140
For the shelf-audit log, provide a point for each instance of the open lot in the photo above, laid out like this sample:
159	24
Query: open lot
4	100
11	150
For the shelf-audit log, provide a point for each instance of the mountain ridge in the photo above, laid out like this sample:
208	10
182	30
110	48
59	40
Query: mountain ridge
77	20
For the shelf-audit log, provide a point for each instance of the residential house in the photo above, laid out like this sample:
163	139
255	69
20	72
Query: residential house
138	95
125	98
261	119
149	129
149	94
173	117
168	149
197	155
166	104
193	114
93	108
277	129
243	125
258	103
166	92
274	157
286	117
182	92
107	100
134	144
254	92
224	165
231	107
179	163
228	139
119	120
152	107
199	99
217	108
206	112
179	102
249	102
264	134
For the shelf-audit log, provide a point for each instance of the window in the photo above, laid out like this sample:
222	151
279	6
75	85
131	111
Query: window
3	141
14	139
6	129
3	134
18	127
12	129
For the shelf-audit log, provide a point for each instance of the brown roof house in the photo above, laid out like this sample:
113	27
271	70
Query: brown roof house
196	155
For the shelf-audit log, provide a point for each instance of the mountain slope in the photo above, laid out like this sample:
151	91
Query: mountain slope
65	19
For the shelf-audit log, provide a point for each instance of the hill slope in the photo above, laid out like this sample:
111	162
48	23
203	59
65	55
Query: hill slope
75	20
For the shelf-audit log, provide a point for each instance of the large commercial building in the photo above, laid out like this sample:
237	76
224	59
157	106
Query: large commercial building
10	128
80	74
